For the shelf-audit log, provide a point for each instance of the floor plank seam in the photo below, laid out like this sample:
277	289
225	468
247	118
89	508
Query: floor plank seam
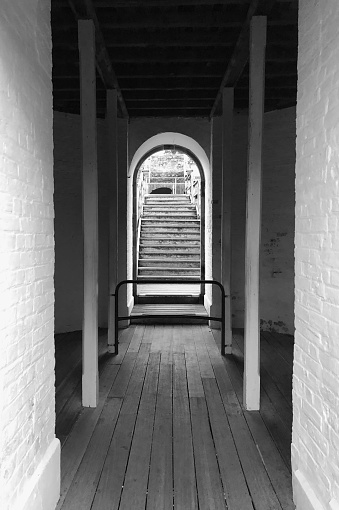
180	407
133	434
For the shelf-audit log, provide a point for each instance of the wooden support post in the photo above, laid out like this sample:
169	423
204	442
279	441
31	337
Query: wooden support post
90	378
253	213
112	126
227	133
125	292
216	217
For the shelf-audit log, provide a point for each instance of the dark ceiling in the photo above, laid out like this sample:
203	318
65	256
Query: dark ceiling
173	57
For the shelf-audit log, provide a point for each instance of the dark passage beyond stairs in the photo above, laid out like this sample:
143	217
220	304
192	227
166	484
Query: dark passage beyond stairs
169	245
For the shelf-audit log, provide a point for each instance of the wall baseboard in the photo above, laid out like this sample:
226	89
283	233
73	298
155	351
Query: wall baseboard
42	491
304	496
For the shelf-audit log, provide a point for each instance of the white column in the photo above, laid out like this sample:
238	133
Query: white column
227	134
90	379
112	127
253	213
125	291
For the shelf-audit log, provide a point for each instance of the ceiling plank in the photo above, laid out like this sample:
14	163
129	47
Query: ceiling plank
240	54
84	9
165	21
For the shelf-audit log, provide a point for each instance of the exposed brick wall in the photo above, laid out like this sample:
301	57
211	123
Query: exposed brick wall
277	232
26	246
68	223
315	449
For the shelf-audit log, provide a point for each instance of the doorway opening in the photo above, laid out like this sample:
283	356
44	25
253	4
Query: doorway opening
169	225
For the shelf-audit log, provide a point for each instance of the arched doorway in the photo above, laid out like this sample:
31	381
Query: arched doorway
194	151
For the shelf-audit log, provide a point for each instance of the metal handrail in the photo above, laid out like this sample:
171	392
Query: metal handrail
181	316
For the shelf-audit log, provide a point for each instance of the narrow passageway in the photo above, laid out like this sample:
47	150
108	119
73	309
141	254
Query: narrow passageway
170	430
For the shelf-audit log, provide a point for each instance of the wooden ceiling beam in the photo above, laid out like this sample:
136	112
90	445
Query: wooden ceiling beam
169	3
240	54
162	39
165	3
84	9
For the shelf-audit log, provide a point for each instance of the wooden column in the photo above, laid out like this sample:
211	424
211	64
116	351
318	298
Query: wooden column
112	126
90	379
253	213
216	216
125	291
227	134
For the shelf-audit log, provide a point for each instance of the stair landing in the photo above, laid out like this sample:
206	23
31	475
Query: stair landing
164	289
168	313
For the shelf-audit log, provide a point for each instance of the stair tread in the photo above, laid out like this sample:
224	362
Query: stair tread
169	242
180	269
174	252
162	259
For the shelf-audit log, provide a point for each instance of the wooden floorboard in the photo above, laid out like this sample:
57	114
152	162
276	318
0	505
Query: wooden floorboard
170	430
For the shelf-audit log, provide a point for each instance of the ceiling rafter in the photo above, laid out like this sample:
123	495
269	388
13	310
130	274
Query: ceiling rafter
84	9
239	58
170	56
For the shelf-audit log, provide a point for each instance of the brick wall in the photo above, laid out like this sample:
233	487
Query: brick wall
277	232
29	452
68	223
315	449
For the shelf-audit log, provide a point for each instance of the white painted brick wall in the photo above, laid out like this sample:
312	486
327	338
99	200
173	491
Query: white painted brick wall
26	245
315	448
277	232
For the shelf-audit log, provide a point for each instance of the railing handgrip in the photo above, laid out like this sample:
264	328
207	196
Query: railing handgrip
175	282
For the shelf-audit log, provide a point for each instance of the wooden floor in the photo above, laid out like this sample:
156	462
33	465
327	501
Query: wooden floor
170	430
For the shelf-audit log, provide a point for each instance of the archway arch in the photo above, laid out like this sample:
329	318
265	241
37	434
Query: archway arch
186	144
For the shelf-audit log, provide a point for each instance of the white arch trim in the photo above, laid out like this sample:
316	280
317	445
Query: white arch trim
170	138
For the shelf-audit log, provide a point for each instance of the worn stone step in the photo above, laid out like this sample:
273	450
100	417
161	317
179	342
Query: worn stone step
169	241
169	208
171	263
170	277
167	222
169	214
171	257
169	248
165	271
189	232
169	218
189	235
166	197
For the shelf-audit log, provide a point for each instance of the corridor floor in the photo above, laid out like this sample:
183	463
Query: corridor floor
170	430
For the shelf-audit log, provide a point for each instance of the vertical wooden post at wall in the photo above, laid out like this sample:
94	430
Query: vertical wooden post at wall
253	213
112	126
125	292
90	378
227	133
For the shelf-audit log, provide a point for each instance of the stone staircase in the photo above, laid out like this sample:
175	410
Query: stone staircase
169	242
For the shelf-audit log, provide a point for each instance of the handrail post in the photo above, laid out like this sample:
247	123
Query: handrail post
223	347
116	322
223	326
